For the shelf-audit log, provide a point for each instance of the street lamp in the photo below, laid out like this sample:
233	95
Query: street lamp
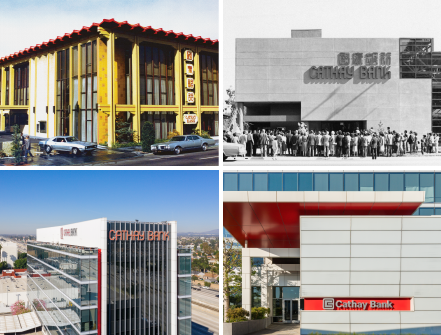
7	296
18	297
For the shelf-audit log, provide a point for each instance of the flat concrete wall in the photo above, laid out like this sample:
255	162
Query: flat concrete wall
246	327
372	257
276	70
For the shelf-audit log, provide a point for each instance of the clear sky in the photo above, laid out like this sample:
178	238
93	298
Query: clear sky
37	199
25	23
336	18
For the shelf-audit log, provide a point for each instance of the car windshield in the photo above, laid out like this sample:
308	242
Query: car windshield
178	138
71	139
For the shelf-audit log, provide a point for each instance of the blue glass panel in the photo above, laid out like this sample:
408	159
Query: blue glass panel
426	211
396	182
437	211
336	181
366	181
321	182
275	181
411	182
245	181
437	187
290	181
381	181
427	185
291	292
305	181
230	181
227	234
417	212
260	182
351	181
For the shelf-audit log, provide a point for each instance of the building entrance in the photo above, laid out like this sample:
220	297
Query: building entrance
345	126
290	311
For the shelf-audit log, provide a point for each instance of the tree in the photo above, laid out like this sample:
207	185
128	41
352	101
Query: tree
21	263
194	278
123	130
206	248
3	266
207	284
22	255
17	150
19	307
232	259
148	136
1	252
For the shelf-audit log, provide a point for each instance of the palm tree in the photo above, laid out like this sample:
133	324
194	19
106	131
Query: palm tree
1	252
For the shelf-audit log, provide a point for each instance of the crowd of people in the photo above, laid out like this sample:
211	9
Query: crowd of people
310	143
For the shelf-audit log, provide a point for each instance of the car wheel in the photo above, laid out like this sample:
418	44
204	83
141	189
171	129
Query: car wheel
75	151
225	157
178	150
48	149
204	147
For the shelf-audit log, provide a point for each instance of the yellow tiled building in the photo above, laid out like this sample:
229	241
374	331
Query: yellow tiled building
84	83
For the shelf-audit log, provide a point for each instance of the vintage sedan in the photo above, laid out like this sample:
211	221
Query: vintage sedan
177	144
66	143
233	150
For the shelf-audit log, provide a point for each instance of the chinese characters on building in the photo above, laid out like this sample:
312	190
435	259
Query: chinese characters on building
370	59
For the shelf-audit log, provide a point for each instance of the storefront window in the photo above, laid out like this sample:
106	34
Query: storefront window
426	211
427	185
320	182
245	181
305	181
275	182
351	181
291	292
366	182
290	181
396	182
163	122
336	181
62	104
411	182
230	181
21	85
381	182
437	211
209	79
260	182
256	296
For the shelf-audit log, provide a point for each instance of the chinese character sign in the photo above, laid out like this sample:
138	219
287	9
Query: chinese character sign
343	58
385	59
357	58
188	55
190	83
190	97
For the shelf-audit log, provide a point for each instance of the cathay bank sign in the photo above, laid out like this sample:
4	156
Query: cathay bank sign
358	304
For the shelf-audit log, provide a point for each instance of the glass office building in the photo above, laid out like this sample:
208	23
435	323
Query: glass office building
110	277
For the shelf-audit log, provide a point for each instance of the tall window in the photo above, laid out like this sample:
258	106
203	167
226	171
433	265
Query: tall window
75	105
157	75
88	113
63	92
21	84
209	79
7	86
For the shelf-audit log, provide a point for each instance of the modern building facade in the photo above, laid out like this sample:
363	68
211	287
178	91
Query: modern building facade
339	83
339	252
90	82
110	277
9	253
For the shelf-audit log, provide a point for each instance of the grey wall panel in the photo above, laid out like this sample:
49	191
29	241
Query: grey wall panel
374	291
427	304
375	264
421	317
324	290
326	251
421	237
375	317
325	237
415	250
328	224
375	250
421	264
381	223
325	317
373	328
311	278
328	264
420	278
330	327
385	237
375	278
420	223
423	291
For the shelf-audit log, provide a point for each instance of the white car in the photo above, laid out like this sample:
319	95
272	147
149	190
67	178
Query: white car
66	143
233	150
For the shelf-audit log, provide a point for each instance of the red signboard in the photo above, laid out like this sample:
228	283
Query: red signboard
358	304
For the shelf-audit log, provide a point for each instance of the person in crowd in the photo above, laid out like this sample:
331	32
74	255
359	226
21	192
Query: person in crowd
410	141
250	143
235	138
339	147
263	143
243	138
381	144
304	144
318	143
374	146
436	142
275	145
354	142
256	142
311	143
326	139
27	148
289	137
423	144
295	143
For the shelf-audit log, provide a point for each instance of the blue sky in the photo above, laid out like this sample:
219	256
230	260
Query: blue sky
25	23
37	199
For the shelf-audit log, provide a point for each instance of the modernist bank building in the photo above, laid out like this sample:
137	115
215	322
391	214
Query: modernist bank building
84	82
110	277
339	83
340	252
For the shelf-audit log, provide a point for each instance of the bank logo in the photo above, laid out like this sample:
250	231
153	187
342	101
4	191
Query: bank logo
328	303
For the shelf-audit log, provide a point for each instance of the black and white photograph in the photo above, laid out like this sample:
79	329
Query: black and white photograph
331	83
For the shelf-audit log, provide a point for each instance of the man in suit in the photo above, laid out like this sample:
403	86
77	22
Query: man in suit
263	141
374	145
289	137
256	141
311	143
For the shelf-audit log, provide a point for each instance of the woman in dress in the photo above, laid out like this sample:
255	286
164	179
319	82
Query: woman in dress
381	144
284	143
275	145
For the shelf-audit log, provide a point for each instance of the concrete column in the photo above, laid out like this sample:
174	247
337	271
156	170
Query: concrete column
135	89
110	87
197	80
11	84
2	121
178	90
179	122
246	279
3	86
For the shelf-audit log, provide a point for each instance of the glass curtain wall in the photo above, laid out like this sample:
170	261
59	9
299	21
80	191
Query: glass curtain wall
184	292
21	85
163	122
209	64
63	107
88	113
138	282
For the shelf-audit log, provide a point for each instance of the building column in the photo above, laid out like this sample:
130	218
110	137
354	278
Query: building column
111	88
2	121
3	86
179	122
135	89
178	90
197	88
246	280
11	84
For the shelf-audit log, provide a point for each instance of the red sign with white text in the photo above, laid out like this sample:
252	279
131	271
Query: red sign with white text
358	304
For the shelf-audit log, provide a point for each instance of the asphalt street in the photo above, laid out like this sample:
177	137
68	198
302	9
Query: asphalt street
204	321
408	160
206	296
